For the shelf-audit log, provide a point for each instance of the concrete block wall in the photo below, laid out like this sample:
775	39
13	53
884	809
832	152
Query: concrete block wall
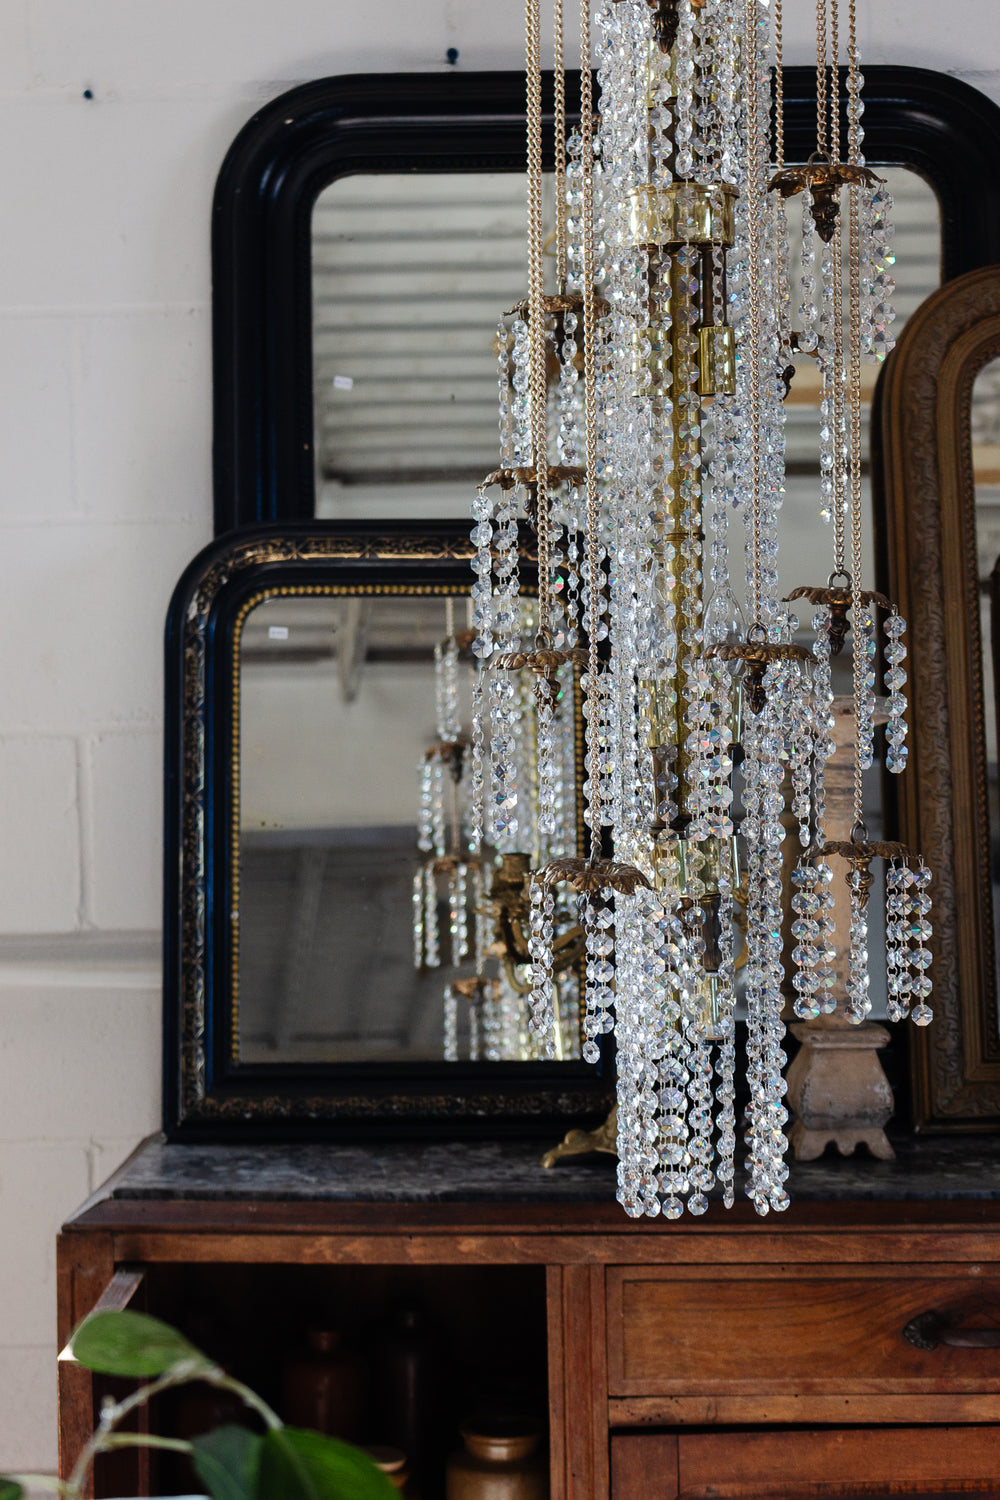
114	118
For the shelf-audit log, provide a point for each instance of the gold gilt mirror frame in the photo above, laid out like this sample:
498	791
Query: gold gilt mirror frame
925	506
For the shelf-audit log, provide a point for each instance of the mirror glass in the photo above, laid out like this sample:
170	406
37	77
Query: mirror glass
361	910
410	274
985	423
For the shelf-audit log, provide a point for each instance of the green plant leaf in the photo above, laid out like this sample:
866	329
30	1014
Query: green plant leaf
10	1489
297	1465
227	1461
132	1344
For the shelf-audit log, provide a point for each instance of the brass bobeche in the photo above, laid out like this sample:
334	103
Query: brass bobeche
511	904
587	875
509	479
451	752
544	661
859	853
840	601
825	180
757	656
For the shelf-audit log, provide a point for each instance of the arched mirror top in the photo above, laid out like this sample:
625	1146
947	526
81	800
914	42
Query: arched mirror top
266	463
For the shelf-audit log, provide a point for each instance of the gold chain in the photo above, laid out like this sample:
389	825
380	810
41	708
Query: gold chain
854	393
590	408
536	309
837	385
779	89
559	80
753	276
834	100
821	75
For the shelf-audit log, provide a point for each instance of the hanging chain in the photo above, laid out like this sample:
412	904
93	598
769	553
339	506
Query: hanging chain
854	400
834	95
821	76
837	416
590	409
753	277
559	80
536	308
779	89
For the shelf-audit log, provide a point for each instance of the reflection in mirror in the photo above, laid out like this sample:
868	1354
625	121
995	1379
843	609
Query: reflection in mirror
985	426
410	274
377	923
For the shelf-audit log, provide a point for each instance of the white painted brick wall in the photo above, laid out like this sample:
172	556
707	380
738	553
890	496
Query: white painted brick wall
105	494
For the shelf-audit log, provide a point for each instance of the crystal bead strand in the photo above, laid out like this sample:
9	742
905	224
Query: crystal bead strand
540	948
859	1003
439	827
766	1114
418	918
808	333
825	971
668	999
425	811
920	957
701	1178
597	919
864	624
897	914
879	314
459	915
800	754
806	930
823	745
895	678
475	1024
450	1025
431	943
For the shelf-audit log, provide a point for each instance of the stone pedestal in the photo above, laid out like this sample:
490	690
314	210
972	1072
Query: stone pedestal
837	1089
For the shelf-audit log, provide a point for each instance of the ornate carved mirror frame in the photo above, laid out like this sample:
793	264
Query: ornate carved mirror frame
925	509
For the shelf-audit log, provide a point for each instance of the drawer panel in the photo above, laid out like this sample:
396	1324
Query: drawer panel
795	1465
833	1330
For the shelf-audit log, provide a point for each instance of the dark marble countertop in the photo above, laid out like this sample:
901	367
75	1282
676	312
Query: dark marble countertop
928	1169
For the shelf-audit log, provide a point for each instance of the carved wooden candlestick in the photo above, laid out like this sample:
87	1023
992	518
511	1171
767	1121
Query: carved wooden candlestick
837	1089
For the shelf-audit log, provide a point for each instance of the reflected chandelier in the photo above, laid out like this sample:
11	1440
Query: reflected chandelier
642	430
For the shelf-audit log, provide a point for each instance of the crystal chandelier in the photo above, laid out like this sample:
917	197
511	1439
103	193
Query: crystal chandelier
470	905
642	440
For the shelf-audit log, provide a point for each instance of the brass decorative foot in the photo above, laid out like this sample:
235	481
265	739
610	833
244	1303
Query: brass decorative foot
582	1142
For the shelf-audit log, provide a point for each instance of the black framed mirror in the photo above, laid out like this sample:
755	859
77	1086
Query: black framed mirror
268	352
303	667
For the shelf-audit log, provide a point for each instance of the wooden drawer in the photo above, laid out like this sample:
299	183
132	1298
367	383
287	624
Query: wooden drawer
798	1465
825	1330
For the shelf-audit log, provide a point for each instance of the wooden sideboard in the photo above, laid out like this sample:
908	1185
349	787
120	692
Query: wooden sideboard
722	1357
